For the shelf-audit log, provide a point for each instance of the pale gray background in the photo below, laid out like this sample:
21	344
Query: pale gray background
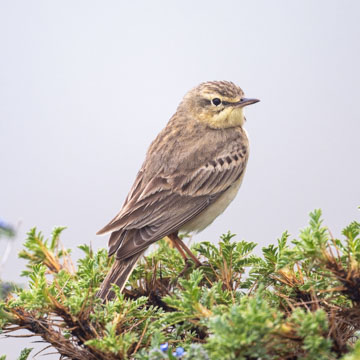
86	85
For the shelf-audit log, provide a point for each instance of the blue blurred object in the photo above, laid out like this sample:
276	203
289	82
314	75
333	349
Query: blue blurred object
3	224
6	227
179	352
164	347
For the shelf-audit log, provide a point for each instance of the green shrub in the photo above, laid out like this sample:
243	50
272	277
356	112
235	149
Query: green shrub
297	301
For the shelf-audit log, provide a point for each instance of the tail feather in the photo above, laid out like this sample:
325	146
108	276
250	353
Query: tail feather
118	274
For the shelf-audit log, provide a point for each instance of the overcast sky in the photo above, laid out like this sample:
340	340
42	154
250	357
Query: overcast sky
86	85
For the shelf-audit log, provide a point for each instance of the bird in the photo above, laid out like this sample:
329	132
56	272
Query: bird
192	171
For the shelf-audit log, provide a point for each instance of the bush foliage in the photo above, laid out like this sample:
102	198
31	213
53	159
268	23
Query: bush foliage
300	300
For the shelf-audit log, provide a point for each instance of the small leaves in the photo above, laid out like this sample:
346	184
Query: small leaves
301	300
245	328
43	251
111	342
312	328
25	354
228	260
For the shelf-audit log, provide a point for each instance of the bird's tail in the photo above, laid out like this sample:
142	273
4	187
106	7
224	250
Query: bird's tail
118	274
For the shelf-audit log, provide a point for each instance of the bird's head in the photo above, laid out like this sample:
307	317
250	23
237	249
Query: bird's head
219	104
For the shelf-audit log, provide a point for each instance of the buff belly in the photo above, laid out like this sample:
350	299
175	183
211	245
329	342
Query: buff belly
206	217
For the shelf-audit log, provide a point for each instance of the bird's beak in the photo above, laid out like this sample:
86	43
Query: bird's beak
245	102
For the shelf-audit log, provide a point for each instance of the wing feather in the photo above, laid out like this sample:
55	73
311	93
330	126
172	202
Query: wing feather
155	210
127	242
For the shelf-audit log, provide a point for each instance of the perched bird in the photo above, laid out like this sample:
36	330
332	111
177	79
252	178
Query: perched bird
191	173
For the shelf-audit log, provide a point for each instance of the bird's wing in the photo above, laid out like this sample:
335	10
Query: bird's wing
161	206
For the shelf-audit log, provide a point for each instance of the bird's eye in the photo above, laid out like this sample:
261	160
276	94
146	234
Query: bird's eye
216	101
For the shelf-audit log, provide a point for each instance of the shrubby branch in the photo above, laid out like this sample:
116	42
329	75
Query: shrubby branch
300	300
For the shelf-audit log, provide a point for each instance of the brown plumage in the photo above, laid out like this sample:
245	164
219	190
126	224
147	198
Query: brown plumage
191	172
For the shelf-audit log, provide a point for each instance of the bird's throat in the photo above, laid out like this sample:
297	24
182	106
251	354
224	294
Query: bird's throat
236	117
229	117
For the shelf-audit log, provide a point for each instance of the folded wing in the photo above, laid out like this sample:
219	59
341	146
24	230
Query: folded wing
161	206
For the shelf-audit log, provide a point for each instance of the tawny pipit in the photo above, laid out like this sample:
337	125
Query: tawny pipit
192	171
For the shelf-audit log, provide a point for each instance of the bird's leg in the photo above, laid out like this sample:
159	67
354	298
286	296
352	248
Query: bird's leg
179	243
178	247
